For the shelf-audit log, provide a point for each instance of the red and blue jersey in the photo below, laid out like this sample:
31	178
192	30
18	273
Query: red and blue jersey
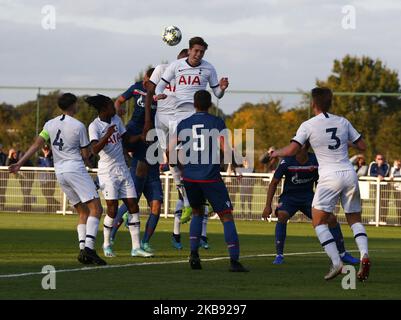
200	142
299	178
137	122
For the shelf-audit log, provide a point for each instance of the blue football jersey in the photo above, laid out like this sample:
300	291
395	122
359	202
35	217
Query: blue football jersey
137	122
203	148
299	178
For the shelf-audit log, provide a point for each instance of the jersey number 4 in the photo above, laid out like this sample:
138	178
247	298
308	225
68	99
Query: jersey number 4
58	141
334	137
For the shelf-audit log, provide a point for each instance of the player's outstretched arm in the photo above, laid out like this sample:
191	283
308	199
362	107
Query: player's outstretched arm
221	88
120	108
287	151
38	144
269	199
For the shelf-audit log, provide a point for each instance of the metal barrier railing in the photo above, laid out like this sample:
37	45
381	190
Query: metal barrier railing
35	189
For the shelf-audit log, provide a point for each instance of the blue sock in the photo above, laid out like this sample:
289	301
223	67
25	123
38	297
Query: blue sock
150	227
195	231
281	233
231	238
118	220
338	237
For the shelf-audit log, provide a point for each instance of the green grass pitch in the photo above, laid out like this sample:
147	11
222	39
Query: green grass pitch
30	241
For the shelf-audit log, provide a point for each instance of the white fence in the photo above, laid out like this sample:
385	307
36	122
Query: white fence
35	190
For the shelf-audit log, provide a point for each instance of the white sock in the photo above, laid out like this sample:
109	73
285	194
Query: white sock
134	226
204	222
107	226
177	216
81	228
361	238
176	172
92	226
327	241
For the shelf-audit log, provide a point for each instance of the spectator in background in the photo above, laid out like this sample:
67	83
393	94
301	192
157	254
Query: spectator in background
380	169
26	178
395	172
360	166
47	179
270	163
3	178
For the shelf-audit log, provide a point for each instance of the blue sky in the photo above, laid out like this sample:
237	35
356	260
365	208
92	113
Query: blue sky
259	44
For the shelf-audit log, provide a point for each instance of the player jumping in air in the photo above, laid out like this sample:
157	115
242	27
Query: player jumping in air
70	146
164	119
106	133
146	176
301	174
330	136
190	75
201	176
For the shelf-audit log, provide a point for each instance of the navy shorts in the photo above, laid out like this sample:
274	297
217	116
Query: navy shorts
152	188
214	192
291	207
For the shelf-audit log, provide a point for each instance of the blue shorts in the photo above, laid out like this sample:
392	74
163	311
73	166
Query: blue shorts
291	207
214	192
152	188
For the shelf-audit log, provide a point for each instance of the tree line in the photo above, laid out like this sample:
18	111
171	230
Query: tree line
377	117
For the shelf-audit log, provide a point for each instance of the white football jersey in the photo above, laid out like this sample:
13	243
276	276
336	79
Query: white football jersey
189	79
67	136
165	106
112	154
329	135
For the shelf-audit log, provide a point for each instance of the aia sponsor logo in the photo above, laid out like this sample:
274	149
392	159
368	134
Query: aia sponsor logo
189	80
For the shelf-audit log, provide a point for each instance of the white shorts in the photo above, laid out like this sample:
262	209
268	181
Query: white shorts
166	124
117	184
77	186
341	185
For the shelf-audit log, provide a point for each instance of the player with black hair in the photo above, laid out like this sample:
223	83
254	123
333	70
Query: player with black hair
106	133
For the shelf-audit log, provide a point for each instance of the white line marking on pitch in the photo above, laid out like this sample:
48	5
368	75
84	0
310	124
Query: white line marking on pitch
18	275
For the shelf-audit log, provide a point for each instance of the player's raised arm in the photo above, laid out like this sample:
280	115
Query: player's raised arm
37	145
287	151
119	105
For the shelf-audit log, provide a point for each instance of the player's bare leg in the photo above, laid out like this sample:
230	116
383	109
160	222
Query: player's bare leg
134	226
361	239
320	223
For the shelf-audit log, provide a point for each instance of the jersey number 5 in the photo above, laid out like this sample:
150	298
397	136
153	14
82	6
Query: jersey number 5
334	137
201	145
58	141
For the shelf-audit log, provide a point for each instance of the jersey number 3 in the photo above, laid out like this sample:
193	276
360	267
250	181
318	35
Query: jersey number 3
334	137
58	141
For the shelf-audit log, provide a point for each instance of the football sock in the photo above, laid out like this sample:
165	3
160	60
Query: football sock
338	237
328	243
361	238
281	233
150	227
134	226
107	226
92	226
231	238
118	220
195	231
177	216
204	223
81	228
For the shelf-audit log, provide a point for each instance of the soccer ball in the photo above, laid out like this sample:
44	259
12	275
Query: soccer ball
172	35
